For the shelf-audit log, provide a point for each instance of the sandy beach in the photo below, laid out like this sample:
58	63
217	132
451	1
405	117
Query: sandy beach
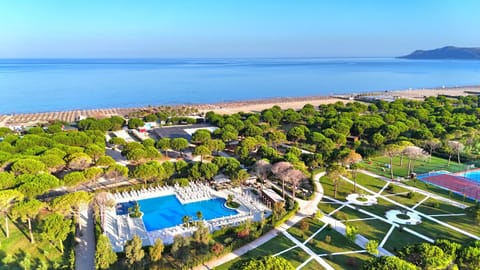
236	106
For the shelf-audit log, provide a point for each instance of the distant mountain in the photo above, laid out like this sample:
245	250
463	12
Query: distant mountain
449	52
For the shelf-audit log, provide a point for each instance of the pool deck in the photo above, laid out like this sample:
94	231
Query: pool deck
120	228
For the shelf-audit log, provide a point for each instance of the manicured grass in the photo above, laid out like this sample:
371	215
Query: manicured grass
326	206
372	229
338	242
312	265
403	199
381	208
271	247
462	222
349	261
295	256
377	165
437	231
443	208
372	183
14	248
313	226
348	213
343	188
399	239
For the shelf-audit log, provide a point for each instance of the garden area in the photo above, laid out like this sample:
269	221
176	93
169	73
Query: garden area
379	165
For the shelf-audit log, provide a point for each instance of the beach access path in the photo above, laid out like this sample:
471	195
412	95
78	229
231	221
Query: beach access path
85	248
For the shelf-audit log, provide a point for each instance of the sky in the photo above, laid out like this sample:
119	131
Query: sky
227	28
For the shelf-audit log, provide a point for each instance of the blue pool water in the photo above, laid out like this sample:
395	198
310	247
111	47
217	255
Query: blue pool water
474	176
167	211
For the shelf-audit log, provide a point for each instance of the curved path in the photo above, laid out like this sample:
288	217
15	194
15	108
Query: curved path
307	208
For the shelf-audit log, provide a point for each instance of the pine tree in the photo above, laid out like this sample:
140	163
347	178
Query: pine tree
104	255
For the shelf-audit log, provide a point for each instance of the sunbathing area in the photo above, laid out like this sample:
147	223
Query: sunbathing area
165	209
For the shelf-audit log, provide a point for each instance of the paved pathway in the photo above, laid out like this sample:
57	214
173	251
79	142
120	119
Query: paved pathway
85	249
415	211
307	208
421	191
308	251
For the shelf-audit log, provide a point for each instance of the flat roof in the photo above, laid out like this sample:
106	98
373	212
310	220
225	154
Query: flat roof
179	131
273	195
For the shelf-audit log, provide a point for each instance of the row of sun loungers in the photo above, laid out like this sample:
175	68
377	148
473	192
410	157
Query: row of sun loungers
143	193
193	193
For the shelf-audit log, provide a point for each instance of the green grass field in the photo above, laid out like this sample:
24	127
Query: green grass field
338	243
301	235
313	265
271	247
378	166
399	239
17	249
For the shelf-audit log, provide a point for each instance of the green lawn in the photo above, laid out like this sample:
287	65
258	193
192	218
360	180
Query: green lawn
313	226
437	231
313	265
327	206
343	188
427	207
462	222
399	239
14	249
371	229
377	165
271	247
349	262
372	183
403	199
338	243
296	256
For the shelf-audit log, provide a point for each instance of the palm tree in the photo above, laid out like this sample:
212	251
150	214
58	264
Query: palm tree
199	215
186	221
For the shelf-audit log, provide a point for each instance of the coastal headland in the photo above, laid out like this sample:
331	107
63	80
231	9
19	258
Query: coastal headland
237	106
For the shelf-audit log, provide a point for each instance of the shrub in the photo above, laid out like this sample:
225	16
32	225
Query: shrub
328	239
304	226
228	240
351	262
217	248
411	195
243	233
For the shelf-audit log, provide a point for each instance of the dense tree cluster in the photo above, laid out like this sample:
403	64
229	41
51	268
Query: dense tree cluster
440	125
442	254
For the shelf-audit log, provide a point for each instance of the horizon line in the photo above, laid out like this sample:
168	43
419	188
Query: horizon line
186	57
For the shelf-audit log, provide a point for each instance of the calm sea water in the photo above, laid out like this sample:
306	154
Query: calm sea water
50	85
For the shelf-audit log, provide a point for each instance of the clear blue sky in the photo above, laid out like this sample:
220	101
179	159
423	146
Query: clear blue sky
226	28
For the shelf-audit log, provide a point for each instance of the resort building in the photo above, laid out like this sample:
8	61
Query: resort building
271	198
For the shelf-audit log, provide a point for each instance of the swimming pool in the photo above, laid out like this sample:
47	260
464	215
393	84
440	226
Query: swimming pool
167	211
473	175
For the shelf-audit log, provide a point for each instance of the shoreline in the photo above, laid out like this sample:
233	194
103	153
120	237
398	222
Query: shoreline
229	107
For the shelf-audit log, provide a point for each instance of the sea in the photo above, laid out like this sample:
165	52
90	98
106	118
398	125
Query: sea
43	85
